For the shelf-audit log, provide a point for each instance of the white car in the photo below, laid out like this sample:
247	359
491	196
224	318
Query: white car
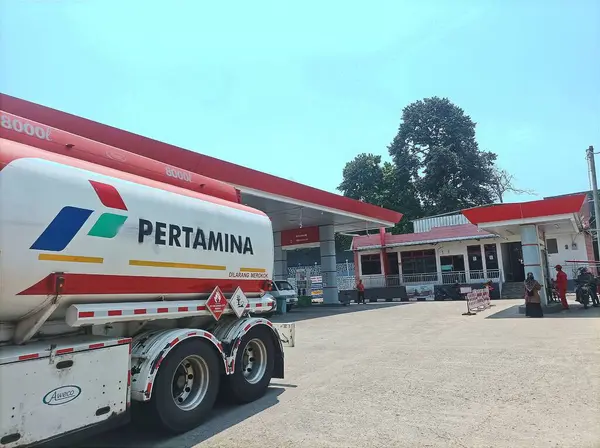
282	289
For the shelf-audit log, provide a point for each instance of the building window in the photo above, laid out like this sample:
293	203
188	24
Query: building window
370	264
453	263
418	262
392	259
552	246
491	256
474	254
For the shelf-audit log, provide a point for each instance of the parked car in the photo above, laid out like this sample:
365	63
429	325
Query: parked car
282	289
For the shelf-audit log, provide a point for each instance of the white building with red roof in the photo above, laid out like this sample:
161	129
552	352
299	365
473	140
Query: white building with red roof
497	243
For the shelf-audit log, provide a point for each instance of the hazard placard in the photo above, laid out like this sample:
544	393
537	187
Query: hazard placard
238	302
216	303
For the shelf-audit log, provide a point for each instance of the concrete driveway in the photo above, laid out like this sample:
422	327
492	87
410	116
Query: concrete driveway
419	375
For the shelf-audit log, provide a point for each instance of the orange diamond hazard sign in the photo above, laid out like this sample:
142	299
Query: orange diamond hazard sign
216	303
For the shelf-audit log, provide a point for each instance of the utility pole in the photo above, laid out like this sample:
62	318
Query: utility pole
594	185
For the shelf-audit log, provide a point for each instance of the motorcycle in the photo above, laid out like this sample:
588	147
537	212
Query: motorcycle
583	294
552	292
583	287
449	293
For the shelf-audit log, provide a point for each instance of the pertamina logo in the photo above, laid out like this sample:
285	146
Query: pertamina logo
69	221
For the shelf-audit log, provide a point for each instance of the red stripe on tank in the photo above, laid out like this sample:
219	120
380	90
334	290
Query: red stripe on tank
98	284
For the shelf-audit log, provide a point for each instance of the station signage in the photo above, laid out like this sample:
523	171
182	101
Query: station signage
300	238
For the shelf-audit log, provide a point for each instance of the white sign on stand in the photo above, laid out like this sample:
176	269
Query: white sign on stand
238	302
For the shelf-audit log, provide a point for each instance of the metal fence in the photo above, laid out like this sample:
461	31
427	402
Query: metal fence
482	275
419	279
346	281
449	278
380	281
432	278
345	274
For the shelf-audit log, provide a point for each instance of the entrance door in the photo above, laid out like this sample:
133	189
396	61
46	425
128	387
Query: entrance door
392	263
453	269
516	270
475	262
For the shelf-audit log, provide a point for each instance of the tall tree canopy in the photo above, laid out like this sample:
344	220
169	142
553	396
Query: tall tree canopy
437	166
366	179
436	147
363	179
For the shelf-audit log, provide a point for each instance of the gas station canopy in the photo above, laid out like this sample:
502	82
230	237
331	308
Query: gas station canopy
290	205
559	214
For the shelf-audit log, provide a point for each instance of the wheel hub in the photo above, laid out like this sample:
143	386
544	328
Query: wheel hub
254	361
190	382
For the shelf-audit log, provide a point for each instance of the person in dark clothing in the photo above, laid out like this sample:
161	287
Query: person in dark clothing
361	291
533	301
490	287
594	290
586	282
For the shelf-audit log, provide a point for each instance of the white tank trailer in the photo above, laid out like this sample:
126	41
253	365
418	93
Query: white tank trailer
118	288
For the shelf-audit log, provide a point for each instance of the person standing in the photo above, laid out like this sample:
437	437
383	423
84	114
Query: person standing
561	286
533	301
361	291
489	285
594	291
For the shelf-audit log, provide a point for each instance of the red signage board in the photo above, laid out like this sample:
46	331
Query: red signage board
216	303
296	237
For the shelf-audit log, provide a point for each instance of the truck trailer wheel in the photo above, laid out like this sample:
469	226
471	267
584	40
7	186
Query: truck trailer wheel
254	364
186	386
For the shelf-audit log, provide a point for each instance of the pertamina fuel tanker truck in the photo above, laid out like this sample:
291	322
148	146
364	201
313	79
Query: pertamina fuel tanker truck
120	282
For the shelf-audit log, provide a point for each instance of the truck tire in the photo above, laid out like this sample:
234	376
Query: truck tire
254	363
186	386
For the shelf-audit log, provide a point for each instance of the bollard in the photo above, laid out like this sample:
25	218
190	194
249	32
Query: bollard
281	305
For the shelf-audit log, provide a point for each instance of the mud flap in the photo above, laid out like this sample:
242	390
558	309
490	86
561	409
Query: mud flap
287	334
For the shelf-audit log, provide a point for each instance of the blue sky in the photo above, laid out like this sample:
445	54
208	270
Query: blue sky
298	90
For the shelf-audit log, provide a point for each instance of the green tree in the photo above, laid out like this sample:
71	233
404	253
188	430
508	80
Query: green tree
436	152
400	194
365	178
342	243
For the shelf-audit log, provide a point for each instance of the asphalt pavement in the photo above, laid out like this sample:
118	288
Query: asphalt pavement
417	375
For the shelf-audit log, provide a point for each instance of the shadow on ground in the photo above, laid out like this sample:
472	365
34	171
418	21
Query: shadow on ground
576	311
224	416
317	311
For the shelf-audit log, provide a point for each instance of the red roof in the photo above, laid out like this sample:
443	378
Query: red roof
437	234
534	209
192	161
